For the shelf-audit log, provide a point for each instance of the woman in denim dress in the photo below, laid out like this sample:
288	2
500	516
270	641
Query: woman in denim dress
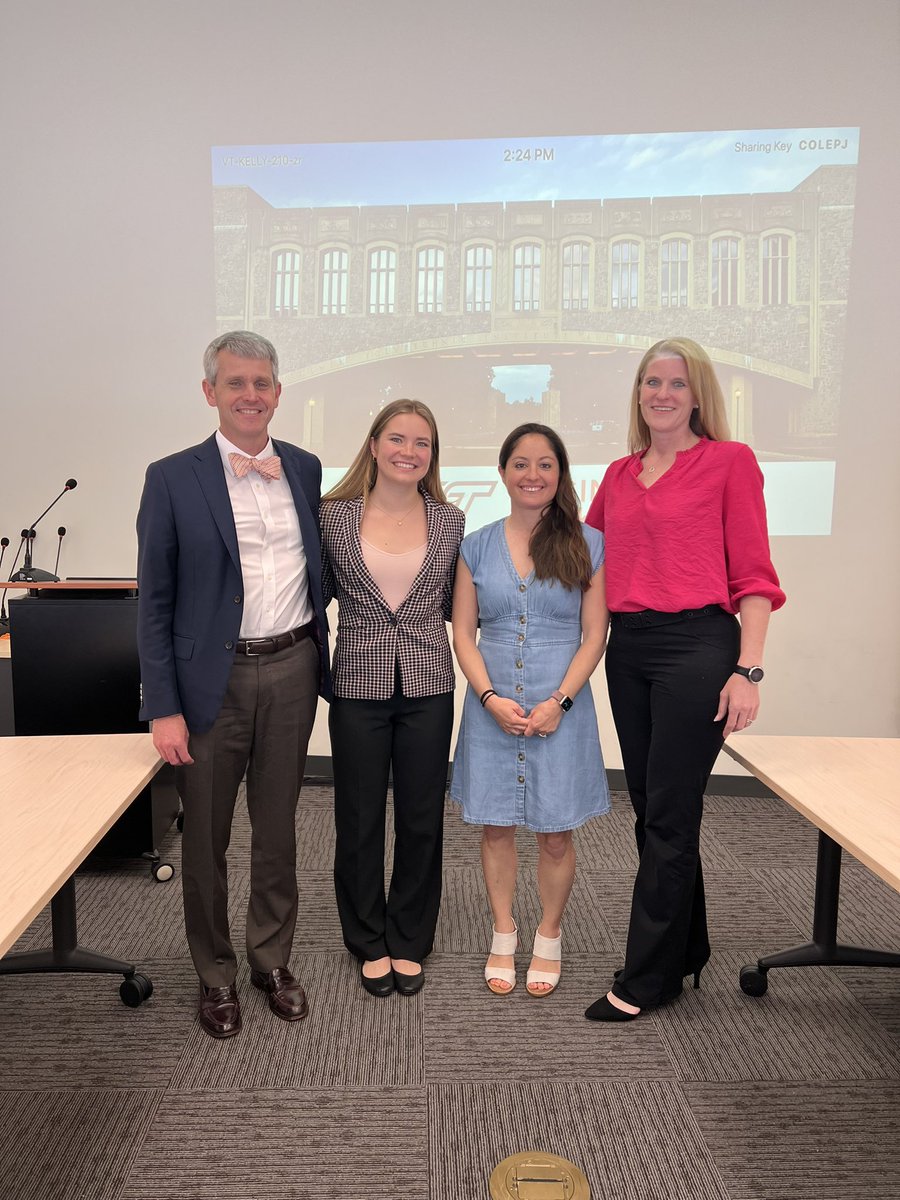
528	751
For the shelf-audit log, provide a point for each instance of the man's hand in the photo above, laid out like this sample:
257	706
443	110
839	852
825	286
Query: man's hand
170	737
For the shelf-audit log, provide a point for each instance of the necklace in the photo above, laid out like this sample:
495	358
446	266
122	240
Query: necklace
393	516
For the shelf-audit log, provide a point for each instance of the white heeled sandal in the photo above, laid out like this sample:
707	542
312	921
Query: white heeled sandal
544	947
502	943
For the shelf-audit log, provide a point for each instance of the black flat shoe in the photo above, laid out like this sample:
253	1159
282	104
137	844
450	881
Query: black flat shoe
603	1010
378	985
408	985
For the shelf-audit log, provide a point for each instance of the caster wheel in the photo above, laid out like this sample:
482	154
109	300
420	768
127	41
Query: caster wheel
753	981
162	872
135	990
179	822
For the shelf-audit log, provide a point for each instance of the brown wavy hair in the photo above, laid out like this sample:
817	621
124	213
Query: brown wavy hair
363	471
557	544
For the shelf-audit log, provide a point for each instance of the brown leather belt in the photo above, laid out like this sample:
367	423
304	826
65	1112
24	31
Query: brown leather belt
271	645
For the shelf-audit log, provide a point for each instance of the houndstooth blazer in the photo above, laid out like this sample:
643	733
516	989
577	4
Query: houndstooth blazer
371	638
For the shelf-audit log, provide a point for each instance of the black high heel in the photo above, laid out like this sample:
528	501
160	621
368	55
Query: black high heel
603	1010
690	971
695	971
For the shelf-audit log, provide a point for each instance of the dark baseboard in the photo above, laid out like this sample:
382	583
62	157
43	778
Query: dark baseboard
318	770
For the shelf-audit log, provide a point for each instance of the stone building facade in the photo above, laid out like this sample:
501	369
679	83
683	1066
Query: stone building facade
760	280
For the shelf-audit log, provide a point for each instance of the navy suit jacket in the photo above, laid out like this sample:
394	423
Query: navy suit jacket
190	587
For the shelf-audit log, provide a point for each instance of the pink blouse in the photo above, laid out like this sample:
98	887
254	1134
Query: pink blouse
698	536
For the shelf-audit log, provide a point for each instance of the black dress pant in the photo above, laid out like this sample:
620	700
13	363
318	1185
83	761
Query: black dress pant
369	739
664	683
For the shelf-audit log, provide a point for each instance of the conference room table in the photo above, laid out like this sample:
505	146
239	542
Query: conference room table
58	797
849	788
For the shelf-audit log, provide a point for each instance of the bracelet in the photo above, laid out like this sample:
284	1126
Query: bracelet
485	696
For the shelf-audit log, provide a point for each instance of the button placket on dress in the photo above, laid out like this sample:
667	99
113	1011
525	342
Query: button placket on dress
519	677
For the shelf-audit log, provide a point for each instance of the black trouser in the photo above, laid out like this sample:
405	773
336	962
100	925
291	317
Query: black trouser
369	738
664	683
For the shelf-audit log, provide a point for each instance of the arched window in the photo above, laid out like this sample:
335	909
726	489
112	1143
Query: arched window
527	277
725	263
624	278
286	283
333	283
776	266
576	275
430	280
382	279
479	278
674	267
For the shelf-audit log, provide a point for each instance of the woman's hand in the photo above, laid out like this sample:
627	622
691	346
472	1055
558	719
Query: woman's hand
544	719
509	715
739	703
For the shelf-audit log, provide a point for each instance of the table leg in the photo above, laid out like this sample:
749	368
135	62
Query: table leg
66	955
824	950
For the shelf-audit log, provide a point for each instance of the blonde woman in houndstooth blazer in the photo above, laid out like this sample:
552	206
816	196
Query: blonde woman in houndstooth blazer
390	542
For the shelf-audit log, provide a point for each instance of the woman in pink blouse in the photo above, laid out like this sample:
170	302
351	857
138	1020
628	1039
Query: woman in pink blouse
390	542
686	549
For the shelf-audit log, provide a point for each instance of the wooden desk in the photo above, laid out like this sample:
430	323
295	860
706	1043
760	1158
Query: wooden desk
850	789
58	796
75	670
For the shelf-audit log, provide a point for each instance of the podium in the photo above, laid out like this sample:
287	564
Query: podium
75	670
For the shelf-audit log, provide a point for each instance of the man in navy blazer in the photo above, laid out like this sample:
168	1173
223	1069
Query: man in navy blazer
233	652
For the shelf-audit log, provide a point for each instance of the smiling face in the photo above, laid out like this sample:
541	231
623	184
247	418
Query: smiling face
666	400
246	396
402	451
531	474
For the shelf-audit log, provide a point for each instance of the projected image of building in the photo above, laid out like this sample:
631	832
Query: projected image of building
368	303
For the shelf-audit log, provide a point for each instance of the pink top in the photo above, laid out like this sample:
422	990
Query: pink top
698	536
394	573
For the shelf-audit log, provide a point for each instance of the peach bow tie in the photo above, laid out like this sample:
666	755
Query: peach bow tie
269	468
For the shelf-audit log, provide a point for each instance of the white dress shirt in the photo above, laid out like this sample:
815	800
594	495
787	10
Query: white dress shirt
273	561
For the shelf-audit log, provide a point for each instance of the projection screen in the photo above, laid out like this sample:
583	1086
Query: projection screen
521	279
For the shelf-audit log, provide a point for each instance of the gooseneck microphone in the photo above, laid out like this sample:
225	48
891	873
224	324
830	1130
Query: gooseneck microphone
60	533
29	573
4	620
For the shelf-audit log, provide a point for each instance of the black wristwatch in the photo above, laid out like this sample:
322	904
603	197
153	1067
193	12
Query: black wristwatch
754	674
564	702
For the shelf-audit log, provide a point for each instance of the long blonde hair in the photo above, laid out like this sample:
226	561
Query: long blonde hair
708	419
363	471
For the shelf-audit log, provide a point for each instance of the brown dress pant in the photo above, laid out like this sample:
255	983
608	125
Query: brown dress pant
262	730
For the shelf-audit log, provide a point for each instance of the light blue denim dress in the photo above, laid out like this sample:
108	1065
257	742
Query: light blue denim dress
530	631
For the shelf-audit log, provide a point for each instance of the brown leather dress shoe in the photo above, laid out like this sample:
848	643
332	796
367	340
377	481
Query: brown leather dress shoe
220	1012
287	998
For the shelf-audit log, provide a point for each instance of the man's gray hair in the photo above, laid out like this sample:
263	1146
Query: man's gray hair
243	344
